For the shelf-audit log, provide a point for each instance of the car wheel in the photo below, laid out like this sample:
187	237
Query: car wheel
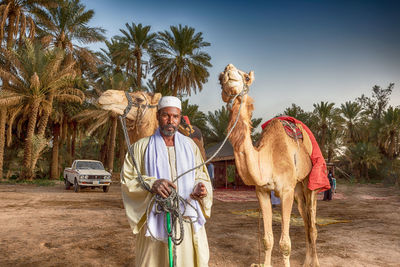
77	187
67	184
105	189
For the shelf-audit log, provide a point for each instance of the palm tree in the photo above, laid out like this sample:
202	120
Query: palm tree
37	77
137	40
177	60
196	117
389	132
364	156
218	125
67	24
324	112
351	112
62	116
16	18
9	109
103	122
109	62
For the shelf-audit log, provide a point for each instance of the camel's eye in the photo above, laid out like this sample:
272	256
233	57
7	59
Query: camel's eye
139	100
247	79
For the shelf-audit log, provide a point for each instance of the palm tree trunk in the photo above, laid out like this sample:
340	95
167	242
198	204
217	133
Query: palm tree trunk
366	172
323	139
68	144
3	114
41	131
103	152
55	151
139	71
73	141
391	152
175	92
330	154
27	171
110	160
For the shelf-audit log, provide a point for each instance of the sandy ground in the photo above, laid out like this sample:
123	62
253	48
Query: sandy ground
49	226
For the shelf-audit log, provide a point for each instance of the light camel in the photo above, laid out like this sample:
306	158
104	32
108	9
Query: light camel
141	119
277	163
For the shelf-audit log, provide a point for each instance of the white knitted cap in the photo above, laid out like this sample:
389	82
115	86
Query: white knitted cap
169	101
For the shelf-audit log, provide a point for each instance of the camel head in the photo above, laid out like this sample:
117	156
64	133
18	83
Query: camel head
116	101
233	80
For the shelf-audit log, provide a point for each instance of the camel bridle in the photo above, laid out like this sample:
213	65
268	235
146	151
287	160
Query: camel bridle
141	108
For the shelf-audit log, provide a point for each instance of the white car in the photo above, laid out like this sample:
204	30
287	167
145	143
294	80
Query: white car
87	173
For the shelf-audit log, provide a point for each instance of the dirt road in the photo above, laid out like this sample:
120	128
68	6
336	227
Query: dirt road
49	226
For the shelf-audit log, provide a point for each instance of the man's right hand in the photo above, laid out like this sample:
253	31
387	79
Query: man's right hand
162	187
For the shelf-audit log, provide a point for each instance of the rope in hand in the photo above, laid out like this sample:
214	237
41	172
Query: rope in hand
171	204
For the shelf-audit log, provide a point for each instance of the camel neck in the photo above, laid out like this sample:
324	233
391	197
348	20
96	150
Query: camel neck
241	135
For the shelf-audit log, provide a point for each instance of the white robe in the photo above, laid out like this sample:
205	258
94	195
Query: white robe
194	249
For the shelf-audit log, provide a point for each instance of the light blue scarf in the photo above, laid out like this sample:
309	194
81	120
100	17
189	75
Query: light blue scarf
157	165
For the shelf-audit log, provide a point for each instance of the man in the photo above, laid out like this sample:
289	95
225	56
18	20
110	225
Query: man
328	193
160	159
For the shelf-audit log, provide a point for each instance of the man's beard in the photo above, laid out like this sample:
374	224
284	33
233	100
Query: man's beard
164	130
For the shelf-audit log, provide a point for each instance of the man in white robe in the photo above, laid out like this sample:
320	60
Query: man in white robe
195	187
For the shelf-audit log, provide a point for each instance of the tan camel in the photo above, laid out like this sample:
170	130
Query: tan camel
142	120
277	163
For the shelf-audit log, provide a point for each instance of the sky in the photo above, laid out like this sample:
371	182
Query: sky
301	52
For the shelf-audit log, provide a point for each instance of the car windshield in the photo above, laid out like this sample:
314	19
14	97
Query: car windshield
89	165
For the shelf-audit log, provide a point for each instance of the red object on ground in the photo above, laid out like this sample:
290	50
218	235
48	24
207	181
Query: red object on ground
186	118
318	176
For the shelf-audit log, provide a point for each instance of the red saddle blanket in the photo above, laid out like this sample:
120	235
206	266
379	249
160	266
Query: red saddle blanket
318	179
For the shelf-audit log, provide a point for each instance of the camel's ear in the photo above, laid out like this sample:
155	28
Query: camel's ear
155	99
251	76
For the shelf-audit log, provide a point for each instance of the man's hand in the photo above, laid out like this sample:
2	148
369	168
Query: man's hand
199	192
162	187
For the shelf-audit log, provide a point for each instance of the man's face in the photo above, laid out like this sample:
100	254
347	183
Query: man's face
169	119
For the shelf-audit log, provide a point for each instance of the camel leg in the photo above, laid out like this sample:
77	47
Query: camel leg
284	243
305	199
311	206
264	198
301	206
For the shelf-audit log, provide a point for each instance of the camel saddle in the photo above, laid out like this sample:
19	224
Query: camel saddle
292	130
189	130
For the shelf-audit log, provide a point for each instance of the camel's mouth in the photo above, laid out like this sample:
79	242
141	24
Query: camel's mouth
114	102
231	80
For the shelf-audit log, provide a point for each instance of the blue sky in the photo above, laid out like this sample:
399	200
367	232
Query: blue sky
302	52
